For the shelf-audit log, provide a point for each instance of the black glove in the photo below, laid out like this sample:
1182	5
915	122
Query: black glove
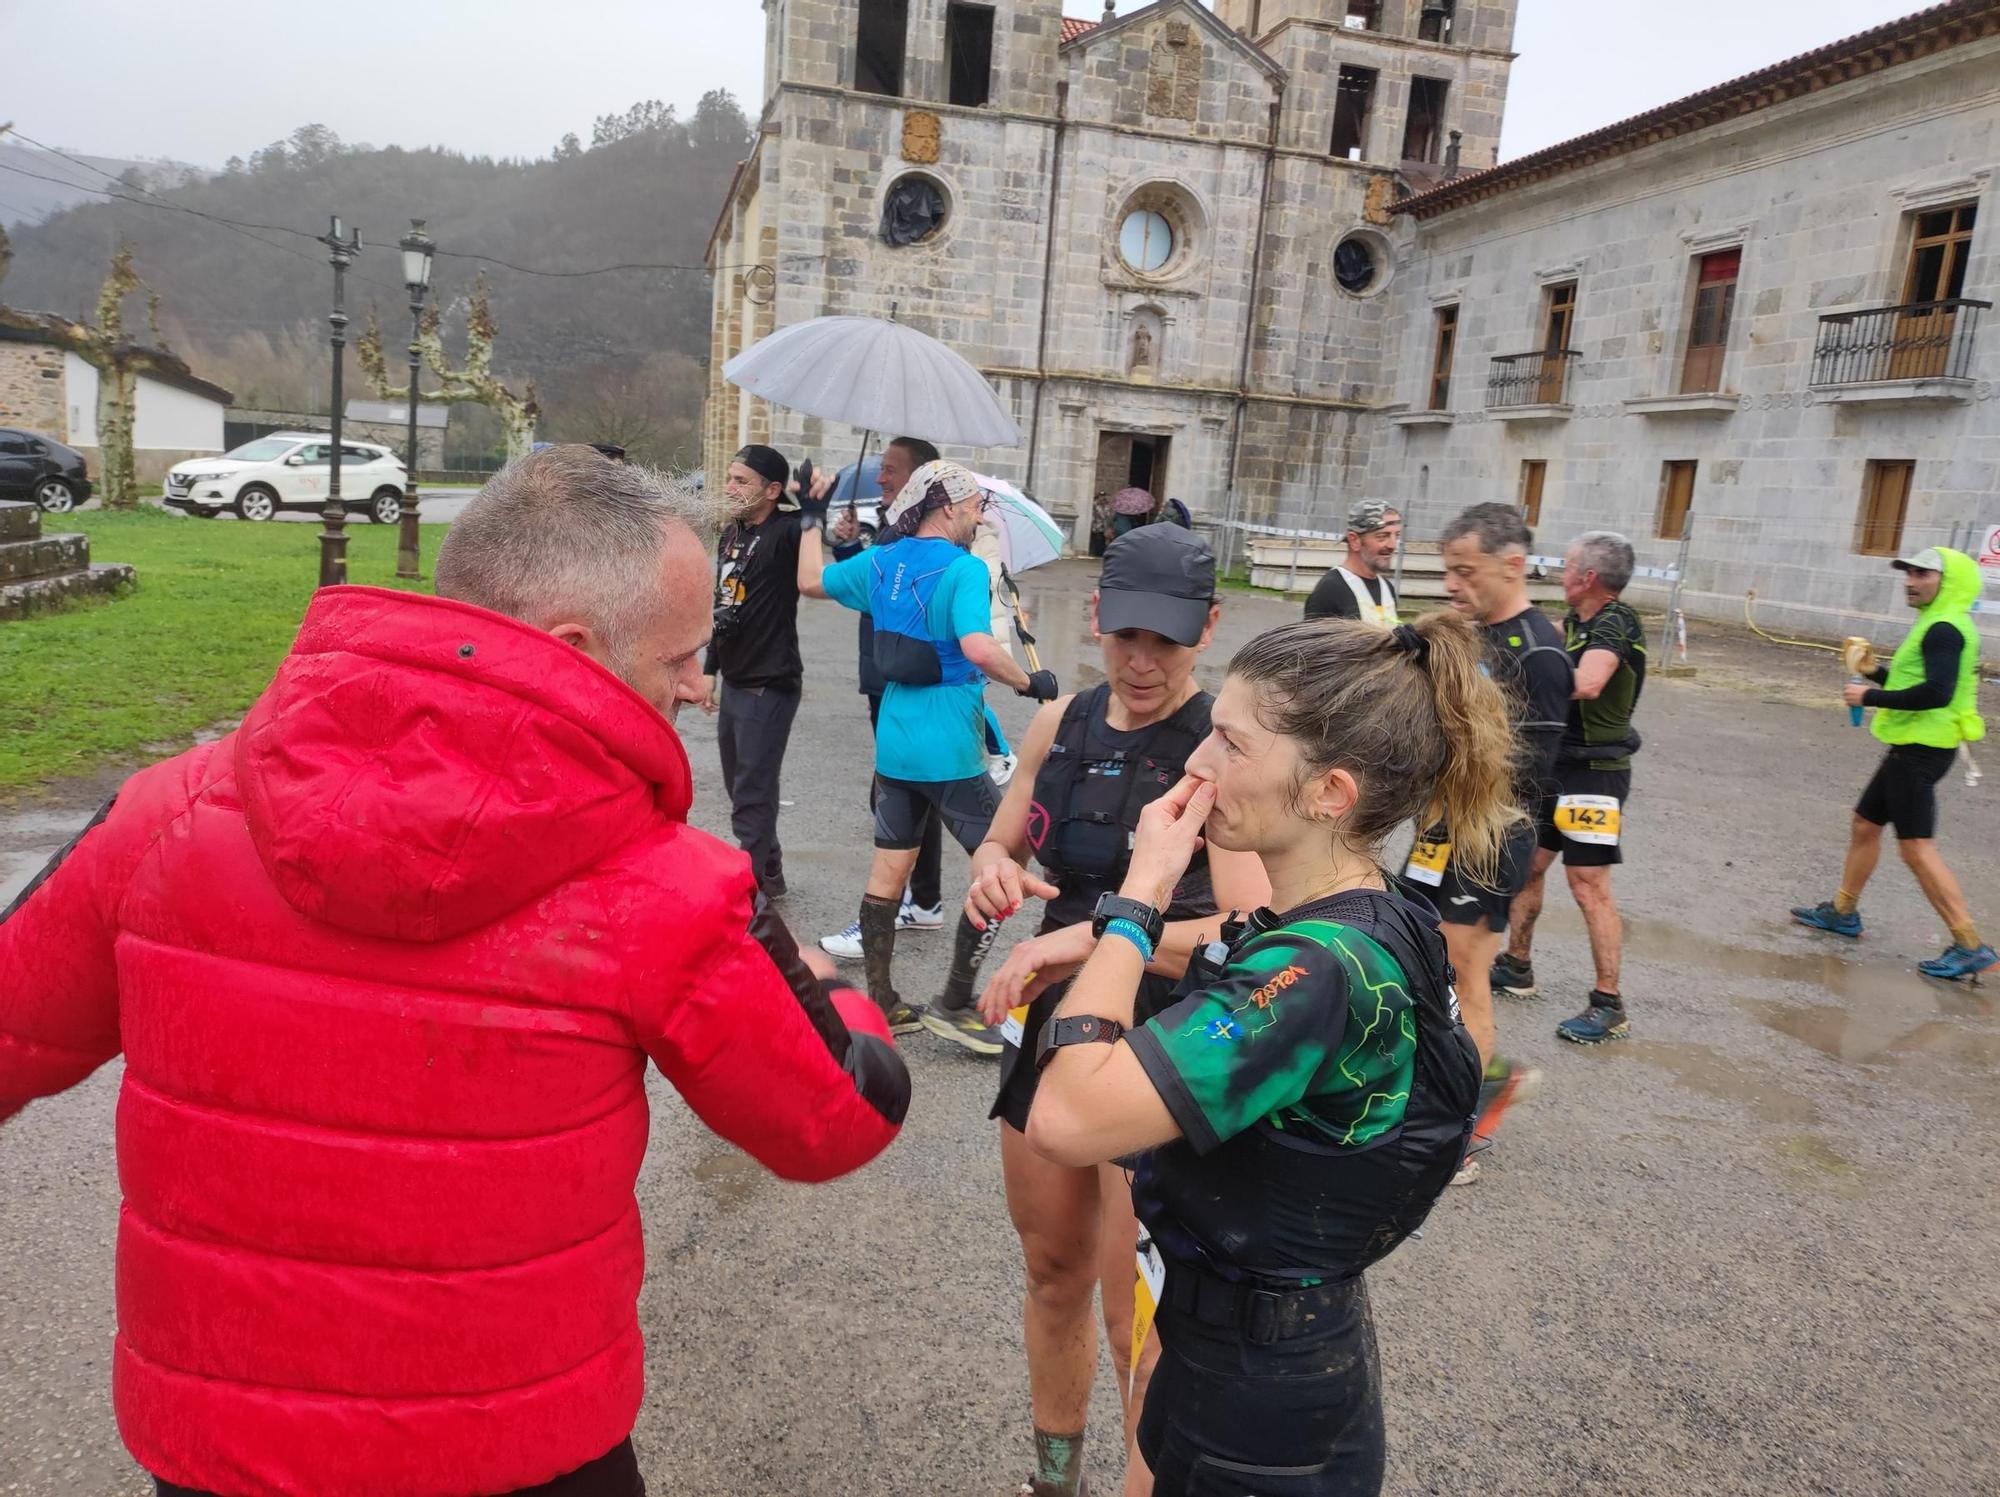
813	509
1041	686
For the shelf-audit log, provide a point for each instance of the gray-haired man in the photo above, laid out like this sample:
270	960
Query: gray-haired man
1359	588
1584	824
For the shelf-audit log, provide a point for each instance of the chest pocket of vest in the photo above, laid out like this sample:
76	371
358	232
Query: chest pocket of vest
1093	837
907	661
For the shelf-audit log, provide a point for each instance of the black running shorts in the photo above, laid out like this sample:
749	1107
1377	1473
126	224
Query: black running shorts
1459	900
1585	822
1903	793
964	807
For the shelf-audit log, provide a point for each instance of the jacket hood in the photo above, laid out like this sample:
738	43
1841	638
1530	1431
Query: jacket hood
420	767
1958	586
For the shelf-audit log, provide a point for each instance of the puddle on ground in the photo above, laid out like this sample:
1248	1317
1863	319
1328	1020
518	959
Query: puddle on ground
1710	1073
1811	1161
731	1179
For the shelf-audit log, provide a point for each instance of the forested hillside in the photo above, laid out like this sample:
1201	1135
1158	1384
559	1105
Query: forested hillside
614	356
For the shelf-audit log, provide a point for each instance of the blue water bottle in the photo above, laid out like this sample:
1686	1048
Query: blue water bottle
1854	713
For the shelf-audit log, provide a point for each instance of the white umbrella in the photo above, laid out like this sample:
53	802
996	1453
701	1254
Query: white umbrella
878	375
1029	536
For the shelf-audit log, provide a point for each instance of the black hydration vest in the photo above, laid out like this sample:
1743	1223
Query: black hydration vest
1274	1206
1088	797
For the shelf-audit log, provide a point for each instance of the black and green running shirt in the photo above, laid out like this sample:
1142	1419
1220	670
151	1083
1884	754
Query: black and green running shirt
1321	1091
1600	730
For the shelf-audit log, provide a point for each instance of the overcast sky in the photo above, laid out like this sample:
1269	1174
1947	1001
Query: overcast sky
203	81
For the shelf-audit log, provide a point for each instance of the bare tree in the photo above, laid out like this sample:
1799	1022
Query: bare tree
473	380
118	363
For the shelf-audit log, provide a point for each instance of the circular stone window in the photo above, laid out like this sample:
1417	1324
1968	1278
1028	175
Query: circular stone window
1356	266
1146	241
913	210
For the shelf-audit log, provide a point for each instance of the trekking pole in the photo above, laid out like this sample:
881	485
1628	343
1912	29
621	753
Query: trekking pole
1674	591
1020	628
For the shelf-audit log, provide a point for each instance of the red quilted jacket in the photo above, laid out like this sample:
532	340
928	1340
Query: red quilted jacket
386	966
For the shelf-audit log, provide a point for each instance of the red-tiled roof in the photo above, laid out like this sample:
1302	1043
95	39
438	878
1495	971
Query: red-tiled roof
1072	28
1928	31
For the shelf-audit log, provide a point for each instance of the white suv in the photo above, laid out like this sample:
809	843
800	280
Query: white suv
289	470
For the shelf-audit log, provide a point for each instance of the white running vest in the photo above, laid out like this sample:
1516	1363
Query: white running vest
1382	615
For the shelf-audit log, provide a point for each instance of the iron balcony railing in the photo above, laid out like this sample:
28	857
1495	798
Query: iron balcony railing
1921	340
1538	378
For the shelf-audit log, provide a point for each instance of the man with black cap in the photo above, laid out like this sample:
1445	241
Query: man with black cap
1358	588
753	672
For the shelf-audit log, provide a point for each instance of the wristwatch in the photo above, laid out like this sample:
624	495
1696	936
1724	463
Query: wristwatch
1112	907
1078	1029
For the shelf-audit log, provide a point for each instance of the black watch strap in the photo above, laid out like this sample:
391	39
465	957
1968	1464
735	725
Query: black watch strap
1112	907
1078	1029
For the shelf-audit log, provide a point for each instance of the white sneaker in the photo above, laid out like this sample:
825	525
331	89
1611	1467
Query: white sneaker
844	944
914	917
1000	767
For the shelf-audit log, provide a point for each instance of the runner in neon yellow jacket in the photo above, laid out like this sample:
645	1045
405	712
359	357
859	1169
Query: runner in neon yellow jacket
1926	703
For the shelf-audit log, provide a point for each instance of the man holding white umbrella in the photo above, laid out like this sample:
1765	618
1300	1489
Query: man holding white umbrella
931	605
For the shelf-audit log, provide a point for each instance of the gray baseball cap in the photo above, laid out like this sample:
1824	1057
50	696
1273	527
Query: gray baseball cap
1158	577
1366	516
1926	560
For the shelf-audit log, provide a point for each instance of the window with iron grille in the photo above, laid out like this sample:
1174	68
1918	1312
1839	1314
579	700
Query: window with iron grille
1446	344
1885	501
1708	326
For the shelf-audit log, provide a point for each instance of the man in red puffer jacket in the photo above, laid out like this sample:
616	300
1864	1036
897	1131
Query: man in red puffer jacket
386	965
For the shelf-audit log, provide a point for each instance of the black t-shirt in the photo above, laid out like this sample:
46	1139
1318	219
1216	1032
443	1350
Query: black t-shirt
1332	598
757	571
1525	655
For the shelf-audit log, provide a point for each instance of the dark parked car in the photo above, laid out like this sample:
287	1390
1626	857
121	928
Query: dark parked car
42	470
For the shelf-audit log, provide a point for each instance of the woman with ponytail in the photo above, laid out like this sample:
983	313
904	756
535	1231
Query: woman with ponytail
1306	1096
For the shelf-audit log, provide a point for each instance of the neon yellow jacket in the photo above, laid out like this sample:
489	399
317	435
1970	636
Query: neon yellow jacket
1958	721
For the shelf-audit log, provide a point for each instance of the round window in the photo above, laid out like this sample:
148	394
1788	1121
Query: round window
913	210
1146	242
1354	265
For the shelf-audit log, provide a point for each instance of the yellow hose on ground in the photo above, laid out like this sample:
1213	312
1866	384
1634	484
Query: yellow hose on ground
1749	597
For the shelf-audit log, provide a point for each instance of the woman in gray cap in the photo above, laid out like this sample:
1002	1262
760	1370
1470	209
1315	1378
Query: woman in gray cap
1089	764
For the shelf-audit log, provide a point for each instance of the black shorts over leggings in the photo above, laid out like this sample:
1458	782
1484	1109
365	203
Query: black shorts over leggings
1903	793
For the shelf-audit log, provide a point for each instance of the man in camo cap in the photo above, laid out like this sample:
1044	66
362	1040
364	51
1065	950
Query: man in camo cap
1359	587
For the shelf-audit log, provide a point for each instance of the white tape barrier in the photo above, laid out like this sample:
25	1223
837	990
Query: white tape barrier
1547	563
1654	574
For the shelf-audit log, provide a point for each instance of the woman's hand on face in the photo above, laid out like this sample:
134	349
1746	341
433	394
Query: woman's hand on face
1001	888
1168	837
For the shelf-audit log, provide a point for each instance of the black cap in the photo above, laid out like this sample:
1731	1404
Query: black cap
1158	577
766	462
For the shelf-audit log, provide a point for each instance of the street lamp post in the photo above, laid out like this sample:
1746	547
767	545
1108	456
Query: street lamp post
333	539
417	250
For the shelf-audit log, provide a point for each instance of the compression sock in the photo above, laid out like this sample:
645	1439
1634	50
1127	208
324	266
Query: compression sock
878	947
1966	936
1845	903
968	950
1601	999
1058	1463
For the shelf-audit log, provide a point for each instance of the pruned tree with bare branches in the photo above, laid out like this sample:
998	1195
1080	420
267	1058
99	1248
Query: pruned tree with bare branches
118	361
471	381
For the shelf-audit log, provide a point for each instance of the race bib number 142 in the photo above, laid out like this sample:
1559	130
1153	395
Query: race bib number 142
1588	818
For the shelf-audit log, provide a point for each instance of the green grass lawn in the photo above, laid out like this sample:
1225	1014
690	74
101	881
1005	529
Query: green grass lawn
128	681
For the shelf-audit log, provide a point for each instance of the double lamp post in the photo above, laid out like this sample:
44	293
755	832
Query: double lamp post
418	250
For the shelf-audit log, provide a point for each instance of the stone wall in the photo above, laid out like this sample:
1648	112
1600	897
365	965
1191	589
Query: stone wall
31	389
1818	193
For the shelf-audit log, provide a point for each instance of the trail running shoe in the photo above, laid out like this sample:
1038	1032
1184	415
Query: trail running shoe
962	1026
1000	767
846	944
1823	916
1512	978
1959	962
1596	1024
1505	1084
1468	1173
903	1019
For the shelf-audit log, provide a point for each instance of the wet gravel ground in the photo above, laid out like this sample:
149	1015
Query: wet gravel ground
1747	1251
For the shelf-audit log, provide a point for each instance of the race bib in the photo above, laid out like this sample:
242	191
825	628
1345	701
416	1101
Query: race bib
1427	860
1014	1026
1147	1288
1588	818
